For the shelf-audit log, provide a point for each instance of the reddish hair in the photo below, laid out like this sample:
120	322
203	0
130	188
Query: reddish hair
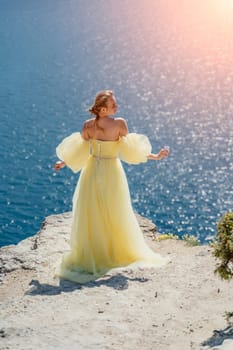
100	101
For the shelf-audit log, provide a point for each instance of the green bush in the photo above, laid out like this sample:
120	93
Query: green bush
191	240
228	317
162	237
223	246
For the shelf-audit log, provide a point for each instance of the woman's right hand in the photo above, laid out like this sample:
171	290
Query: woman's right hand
164	152
59	165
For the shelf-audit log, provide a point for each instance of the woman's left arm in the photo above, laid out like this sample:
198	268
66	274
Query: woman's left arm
59	165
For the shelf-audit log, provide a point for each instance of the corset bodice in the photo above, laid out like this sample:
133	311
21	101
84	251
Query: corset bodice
104	149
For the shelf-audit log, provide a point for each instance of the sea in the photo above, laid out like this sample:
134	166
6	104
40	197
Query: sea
170	65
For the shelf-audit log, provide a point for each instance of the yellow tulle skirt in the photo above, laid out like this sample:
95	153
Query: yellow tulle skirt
105	233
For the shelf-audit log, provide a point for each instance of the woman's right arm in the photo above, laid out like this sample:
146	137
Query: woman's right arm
162	153
123	127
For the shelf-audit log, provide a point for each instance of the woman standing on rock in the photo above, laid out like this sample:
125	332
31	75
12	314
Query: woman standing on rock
105	233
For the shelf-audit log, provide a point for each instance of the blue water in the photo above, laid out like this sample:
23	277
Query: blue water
170	65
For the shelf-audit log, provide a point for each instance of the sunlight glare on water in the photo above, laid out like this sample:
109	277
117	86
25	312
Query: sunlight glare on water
170	65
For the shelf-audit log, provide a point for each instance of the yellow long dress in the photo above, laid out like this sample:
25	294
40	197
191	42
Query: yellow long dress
105	233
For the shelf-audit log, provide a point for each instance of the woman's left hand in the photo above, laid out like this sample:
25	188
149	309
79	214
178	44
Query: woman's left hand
59	165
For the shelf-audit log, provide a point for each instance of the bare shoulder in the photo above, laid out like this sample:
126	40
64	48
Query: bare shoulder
121	122
122	125
88	123
86	128
119	119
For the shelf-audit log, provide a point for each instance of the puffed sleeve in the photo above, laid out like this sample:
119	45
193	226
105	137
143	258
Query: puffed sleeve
134	148
74	151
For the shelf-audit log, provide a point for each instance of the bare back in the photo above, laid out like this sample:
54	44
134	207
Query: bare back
108	129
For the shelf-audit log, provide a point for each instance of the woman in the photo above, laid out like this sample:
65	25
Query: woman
105	233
